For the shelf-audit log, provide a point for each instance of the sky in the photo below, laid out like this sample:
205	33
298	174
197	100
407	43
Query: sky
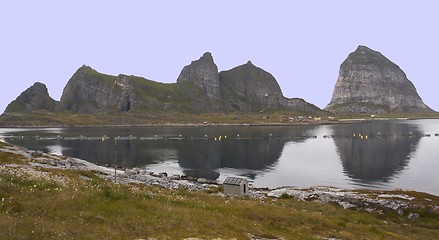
301	43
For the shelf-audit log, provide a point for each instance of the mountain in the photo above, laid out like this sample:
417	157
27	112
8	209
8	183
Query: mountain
370	83
202	73
253	85
199	88
34	99
249	87
89	91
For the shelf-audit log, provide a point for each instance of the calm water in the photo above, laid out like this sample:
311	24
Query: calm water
402	157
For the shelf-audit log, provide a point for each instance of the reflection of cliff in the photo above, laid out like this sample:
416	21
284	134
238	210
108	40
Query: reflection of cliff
377	158
129	153
240	154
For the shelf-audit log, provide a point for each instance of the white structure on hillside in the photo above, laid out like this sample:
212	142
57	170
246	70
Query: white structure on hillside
234	186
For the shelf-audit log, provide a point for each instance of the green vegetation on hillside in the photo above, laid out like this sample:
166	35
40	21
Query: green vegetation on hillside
66	119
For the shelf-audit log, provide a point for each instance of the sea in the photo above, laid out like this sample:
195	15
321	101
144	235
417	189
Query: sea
386	154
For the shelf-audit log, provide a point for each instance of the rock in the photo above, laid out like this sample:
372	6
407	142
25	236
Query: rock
413	216
202	73
300	105
370	83
130	172
163	175
199	89
35	98
89	91
248	87
253	85
202	180
175	177
37	153
400	212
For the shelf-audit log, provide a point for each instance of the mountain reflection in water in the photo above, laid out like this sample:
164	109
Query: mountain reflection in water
272	156
384	153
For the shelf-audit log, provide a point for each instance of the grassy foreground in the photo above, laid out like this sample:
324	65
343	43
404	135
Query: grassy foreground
46	203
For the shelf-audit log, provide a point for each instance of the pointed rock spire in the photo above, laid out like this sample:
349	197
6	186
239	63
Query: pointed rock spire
202	73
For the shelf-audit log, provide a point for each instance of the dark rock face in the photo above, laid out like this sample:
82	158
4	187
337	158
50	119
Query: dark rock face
368	82
89	91
202	73
254	85
252	88
199	88
35	98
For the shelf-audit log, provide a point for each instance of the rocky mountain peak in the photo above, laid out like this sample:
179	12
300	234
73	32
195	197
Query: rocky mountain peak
254	84
207	56
202	73
368	82
35	98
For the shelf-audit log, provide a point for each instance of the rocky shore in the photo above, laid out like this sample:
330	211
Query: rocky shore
403	203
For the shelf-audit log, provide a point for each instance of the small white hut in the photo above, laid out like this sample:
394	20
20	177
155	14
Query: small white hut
234	186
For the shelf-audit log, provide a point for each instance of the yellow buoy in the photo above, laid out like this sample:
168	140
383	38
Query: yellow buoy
225	137
215	138
354	134
366	137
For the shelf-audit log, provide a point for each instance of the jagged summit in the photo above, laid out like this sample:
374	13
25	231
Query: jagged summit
368	82
202	73
199	88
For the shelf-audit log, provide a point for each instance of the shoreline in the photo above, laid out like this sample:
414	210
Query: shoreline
400	201
85	202
225	124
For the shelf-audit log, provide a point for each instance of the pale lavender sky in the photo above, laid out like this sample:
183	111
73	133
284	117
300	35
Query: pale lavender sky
302	43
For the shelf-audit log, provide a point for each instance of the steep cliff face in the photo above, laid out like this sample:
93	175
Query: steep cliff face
253	85
89	91
202	73
368	82
199	88
35	98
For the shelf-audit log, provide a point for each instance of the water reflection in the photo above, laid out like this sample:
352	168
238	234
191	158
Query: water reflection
248	154
271	156
246	148
377	158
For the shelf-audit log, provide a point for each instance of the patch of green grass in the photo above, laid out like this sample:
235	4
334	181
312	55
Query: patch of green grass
94	208
11	158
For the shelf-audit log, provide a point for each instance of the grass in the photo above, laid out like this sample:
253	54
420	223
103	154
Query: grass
78	204
10	158
144	118
105	210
